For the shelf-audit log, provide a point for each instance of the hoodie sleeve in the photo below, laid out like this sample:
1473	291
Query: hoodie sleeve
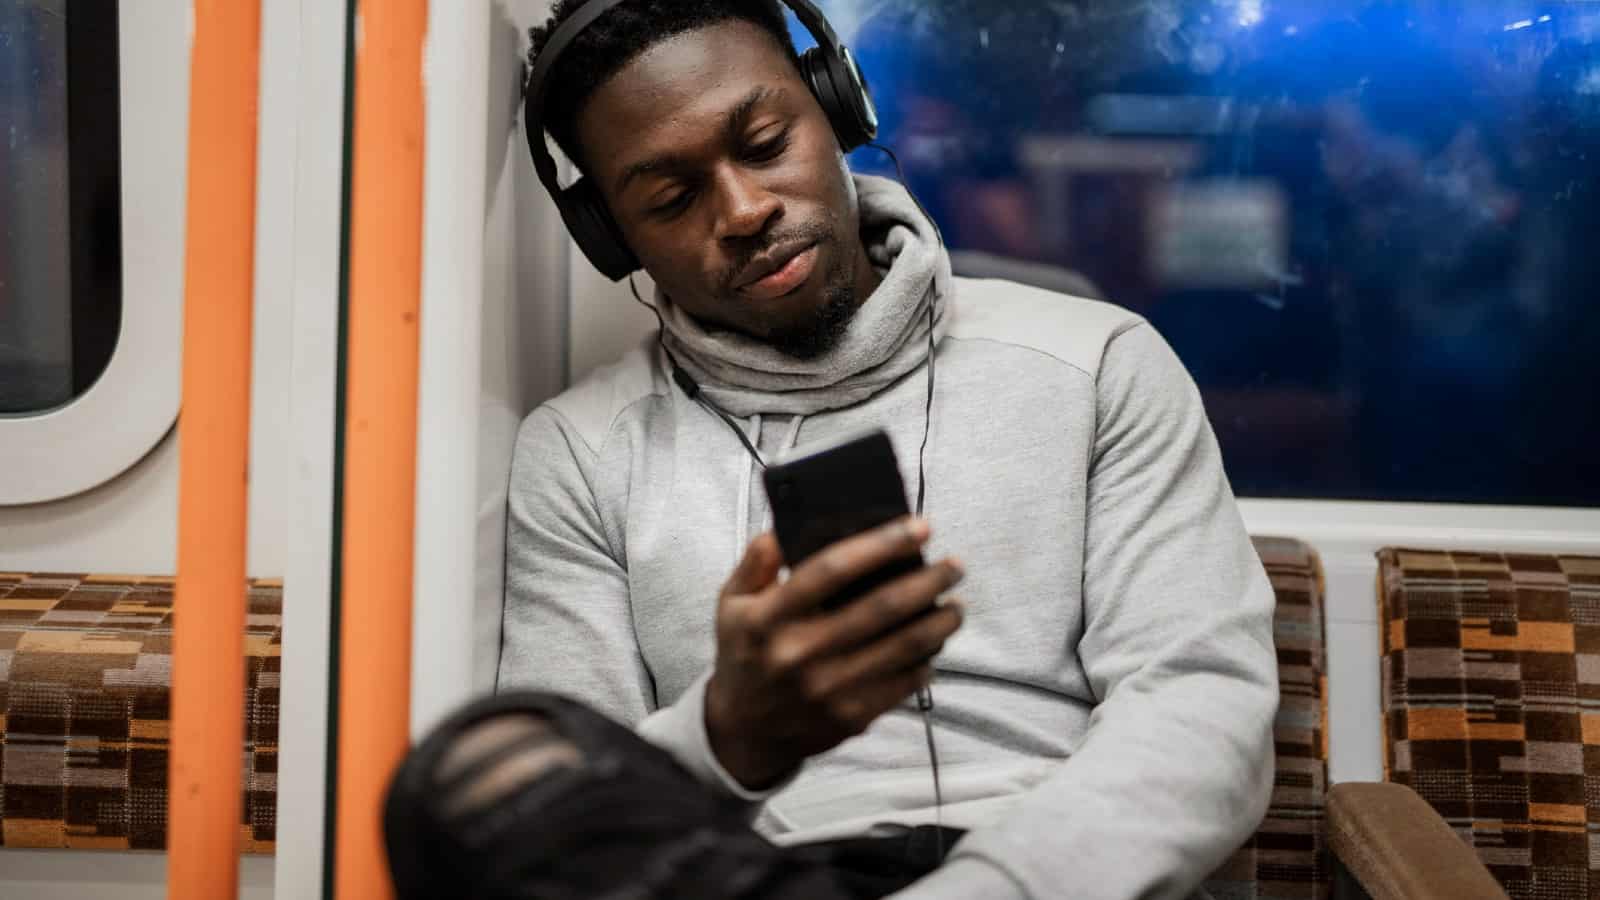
1175	770
568	627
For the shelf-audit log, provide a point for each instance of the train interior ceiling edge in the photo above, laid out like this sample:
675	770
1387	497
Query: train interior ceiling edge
1364	226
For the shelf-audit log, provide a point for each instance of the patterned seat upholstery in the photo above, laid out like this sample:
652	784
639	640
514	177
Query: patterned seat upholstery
1491	699
1287	857
85	669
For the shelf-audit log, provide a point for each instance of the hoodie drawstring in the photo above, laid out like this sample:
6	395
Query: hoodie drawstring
742	528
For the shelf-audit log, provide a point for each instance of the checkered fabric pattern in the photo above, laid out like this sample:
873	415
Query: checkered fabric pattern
85	670
1287	857
1491	700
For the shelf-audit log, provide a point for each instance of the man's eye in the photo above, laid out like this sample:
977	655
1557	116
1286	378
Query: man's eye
768	150
675	204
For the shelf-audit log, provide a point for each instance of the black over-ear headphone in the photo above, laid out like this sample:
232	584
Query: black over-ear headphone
828	69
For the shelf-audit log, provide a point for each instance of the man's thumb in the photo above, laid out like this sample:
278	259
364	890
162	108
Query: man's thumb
759	566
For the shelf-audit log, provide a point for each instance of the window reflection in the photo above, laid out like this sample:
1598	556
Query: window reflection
1365	226
60	300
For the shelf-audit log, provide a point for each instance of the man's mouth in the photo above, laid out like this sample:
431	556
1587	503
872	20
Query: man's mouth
779	273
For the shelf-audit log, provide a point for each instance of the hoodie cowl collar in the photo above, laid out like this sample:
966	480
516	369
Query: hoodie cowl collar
887	339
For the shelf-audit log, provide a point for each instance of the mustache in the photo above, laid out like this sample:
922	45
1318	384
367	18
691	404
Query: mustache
807	233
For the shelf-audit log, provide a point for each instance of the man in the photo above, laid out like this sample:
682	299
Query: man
1104	711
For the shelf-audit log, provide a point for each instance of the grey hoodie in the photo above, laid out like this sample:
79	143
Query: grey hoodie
1105	715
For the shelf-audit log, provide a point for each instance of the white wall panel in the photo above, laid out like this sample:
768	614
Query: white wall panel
312	293
128	524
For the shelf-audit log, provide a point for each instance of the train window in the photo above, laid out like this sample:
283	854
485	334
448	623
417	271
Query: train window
1366	227
60	208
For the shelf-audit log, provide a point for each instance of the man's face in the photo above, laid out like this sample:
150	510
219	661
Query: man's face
729	184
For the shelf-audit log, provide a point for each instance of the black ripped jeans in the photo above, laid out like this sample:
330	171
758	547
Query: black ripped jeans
573	805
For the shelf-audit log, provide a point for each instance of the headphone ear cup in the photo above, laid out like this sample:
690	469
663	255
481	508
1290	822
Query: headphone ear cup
842	93
596	233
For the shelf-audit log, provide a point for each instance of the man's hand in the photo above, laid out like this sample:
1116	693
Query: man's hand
793	680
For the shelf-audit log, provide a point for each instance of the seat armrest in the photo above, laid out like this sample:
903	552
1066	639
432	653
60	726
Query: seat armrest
1399	848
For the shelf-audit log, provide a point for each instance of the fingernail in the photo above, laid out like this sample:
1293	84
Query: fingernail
957	570
916	528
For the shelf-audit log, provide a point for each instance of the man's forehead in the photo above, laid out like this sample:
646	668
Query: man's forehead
687	82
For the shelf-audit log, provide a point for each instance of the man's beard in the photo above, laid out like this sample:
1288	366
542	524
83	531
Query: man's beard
824	329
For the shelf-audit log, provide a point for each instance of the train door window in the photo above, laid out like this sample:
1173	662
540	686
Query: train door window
1366	226
60	207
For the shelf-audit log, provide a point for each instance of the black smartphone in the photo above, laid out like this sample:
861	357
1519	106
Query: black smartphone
827	492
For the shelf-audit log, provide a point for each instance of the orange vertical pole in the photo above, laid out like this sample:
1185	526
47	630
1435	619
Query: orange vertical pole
380	434
204	806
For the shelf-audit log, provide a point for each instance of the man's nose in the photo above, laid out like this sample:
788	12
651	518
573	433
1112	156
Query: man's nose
746	208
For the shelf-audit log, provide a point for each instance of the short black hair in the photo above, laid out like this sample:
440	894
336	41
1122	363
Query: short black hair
620	35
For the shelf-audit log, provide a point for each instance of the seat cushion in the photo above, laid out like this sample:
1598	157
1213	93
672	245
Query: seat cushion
1287	857
1491	701
85	675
